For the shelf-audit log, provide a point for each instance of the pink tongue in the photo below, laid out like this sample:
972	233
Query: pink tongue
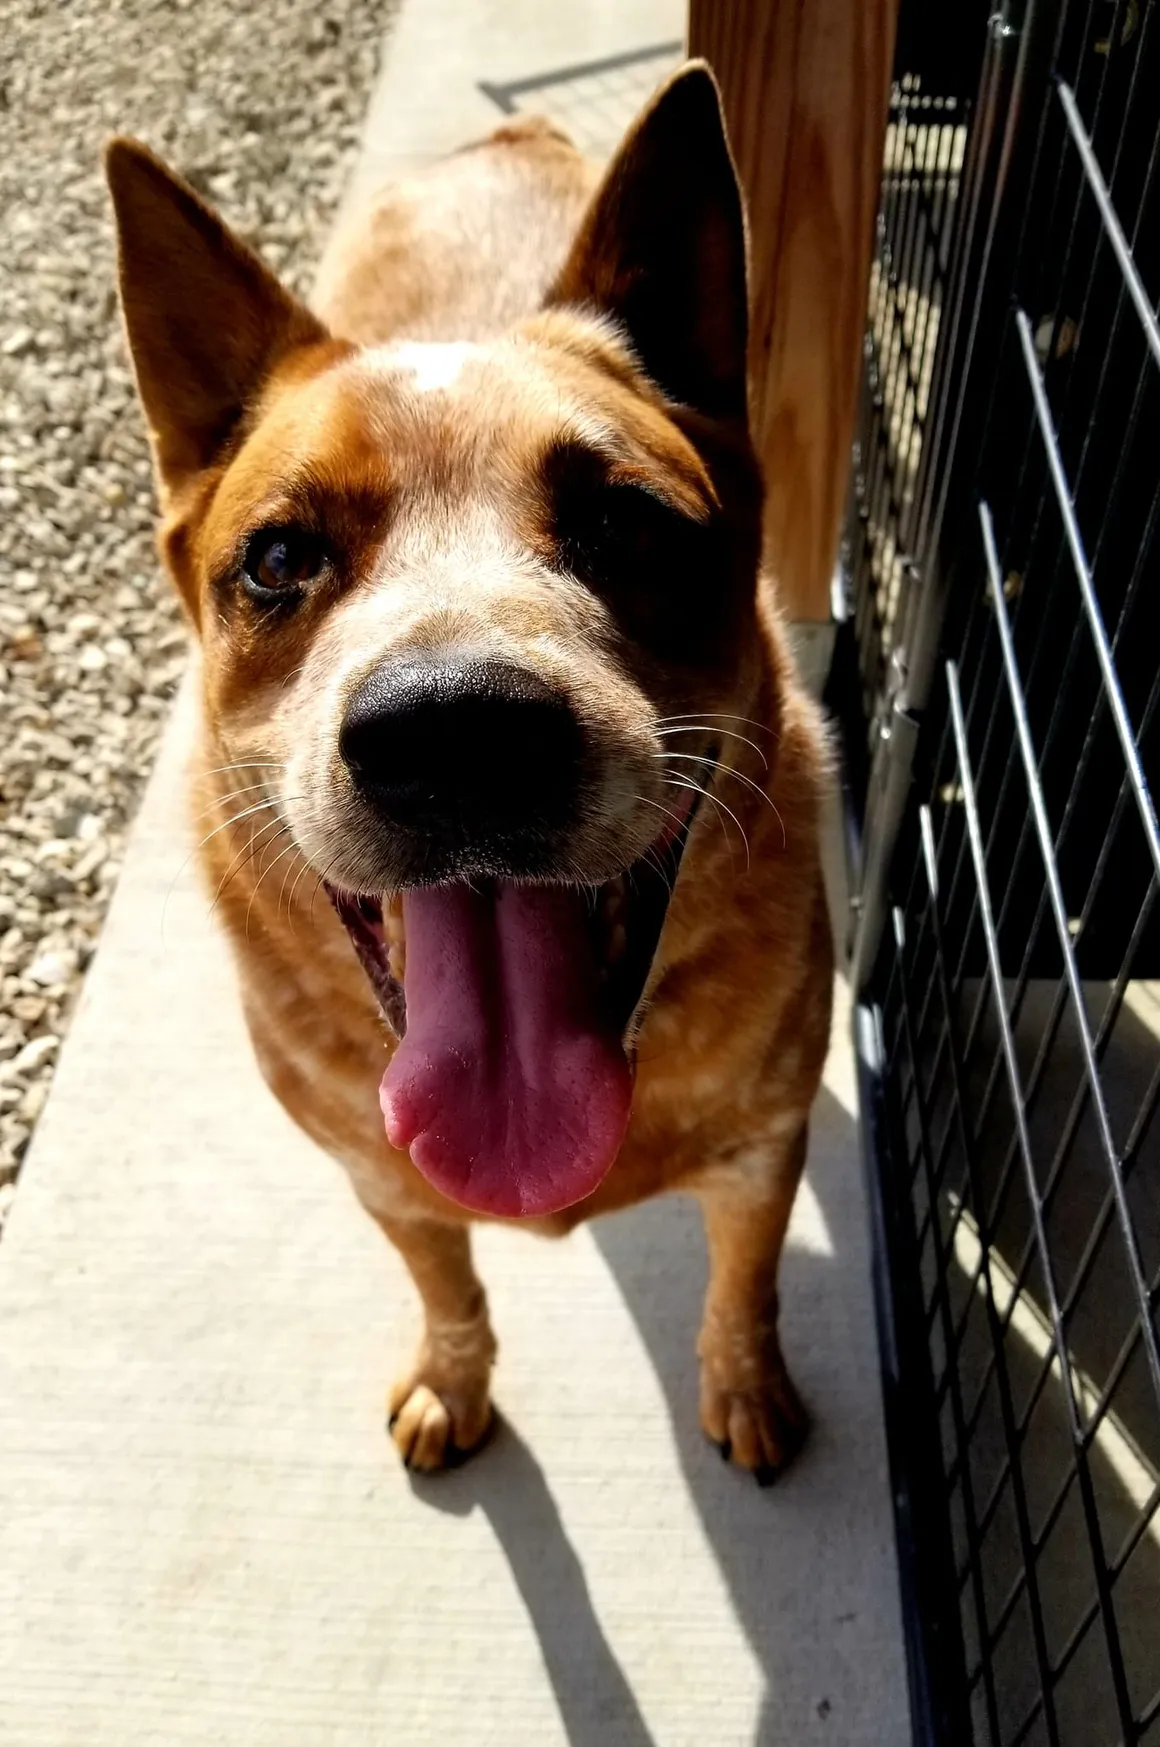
510	1093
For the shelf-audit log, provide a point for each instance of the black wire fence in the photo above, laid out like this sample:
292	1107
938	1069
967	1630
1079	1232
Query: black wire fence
1000	690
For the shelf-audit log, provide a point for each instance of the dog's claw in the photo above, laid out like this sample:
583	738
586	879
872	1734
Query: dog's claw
433	1431
766	1475
724	1449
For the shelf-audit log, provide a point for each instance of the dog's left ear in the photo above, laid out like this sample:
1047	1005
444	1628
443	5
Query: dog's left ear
662	248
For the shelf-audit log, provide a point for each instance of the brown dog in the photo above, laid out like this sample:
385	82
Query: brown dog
501	741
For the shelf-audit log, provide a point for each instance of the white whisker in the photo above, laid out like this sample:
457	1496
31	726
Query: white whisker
233	795
235	819
244	764
303	870
667	811
728	770
650	856
680	783
322	879
262	872
243	855
282	888
720	716
653	862
246	813
702	728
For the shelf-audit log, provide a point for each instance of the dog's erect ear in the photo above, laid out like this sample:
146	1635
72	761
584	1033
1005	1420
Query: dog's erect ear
662	248
206	319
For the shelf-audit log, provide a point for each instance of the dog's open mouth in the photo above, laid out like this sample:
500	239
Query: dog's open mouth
511	1085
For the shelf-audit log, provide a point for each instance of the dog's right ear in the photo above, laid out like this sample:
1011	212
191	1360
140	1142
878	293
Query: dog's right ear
206	319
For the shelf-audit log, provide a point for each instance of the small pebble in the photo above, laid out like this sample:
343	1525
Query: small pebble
50	968
32	1103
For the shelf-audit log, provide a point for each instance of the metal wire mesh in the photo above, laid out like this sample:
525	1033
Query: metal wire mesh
925	142
1008	470
593	102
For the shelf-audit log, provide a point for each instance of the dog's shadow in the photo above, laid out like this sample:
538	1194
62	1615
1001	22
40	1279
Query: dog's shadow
596	1703
769	1545
656	1255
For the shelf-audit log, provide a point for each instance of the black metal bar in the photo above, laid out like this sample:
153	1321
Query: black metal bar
1136	1533
1090	1430
1091	606
1149	1714
1043	831
1019	1496
1087	1494
1111	222
1092	422
1051	218
1131	1540
1086	1261
1003	67
1025	831
1071	1124
1059	1001
983	186
973	1537
930	1615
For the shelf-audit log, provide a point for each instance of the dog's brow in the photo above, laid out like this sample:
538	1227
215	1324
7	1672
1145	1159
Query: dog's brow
590	435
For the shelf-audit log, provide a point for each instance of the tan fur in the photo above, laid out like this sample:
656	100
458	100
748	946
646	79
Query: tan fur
425	463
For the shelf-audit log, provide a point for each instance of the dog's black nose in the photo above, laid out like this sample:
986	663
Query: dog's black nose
464	751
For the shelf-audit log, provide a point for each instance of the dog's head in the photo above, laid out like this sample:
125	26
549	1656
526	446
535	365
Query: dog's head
476	613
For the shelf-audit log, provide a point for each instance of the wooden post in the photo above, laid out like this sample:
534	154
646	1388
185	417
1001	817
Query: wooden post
806	86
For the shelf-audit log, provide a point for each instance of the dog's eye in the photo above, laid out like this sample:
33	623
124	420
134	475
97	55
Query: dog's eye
635	526
611	533
657	569
620	538
279	562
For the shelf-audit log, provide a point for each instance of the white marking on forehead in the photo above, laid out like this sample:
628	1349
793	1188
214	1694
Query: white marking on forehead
436	366
432	365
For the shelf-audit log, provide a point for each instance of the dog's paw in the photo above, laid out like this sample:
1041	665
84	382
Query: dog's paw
440	1410
749	1406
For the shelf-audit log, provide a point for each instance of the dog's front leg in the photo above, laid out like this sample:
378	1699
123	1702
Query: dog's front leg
440	1408
749	1406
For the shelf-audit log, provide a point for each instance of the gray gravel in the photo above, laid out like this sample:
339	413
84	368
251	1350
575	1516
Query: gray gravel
260	106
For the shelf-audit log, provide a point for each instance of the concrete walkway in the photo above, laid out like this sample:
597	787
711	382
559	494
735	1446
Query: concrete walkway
204	1536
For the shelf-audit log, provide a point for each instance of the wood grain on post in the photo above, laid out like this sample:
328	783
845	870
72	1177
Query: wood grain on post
806	85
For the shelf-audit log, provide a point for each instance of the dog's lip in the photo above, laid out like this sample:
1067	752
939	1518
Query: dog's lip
647	885
362	917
